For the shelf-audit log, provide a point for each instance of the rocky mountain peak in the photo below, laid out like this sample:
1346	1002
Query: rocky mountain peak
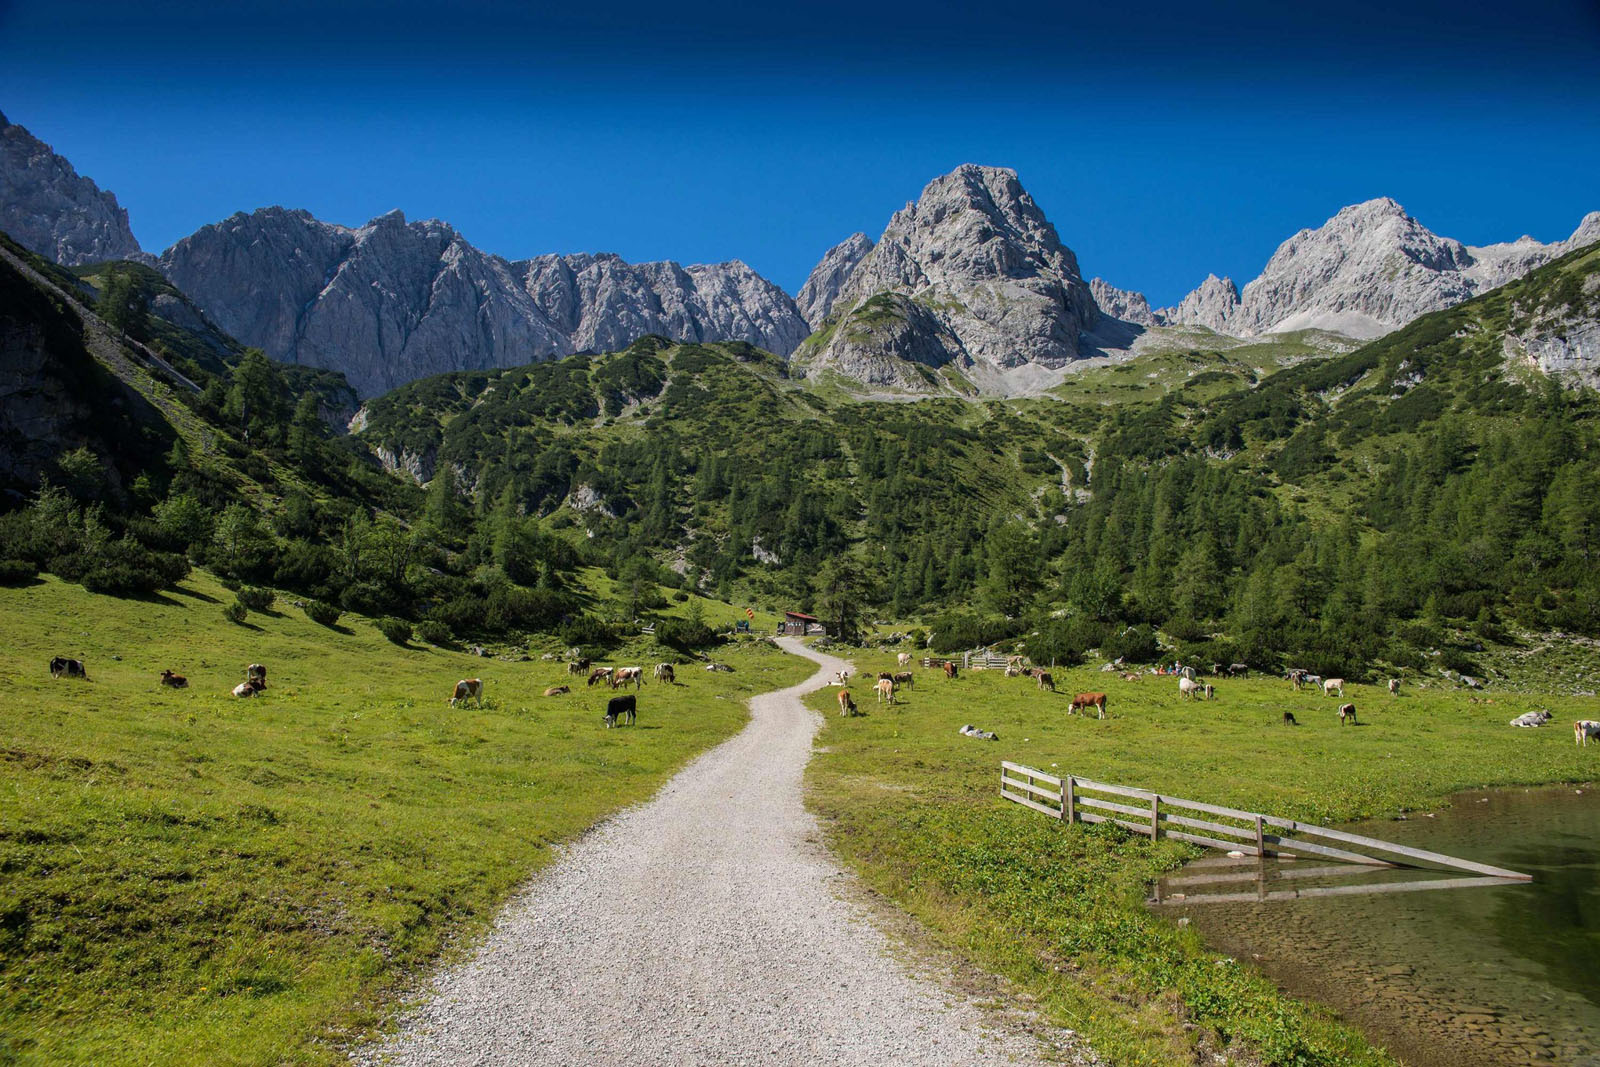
50	208
821	289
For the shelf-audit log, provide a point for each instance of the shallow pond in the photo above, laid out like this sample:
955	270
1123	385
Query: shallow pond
1484	976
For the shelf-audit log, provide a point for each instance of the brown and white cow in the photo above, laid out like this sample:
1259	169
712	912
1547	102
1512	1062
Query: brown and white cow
623	675
905	678
1046	681
256	673
886	691
1347	713
950	669
248	689
1085	701
1394	687
599	674
557	690
1584	729
468	689
665	673
176	681
847	704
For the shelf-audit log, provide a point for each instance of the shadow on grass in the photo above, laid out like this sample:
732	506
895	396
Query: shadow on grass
195	594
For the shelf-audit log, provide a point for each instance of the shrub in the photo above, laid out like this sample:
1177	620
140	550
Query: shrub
396	630
1135	644
434	632
17	571
255	598
320	611
235	613
684	634
587	631
368	598
955	631
1064	641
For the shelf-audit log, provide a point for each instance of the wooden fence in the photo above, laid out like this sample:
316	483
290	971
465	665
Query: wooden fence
1073	799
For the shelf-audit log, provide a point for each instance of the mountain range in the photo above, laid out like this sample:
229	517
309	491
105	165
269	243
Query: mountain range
969	289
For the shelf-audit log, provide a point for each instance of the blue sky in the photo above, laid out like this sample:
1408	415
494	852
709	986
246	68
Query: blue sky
1165	140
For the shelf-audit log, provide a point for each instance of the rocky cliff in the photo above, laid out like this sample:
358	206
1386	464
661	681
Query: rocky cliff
393	300
48	207
983	273
1368	270
829	275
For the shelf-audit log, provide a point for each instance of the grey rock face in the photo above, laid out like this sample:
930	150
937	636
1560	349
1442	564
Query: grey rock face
48	207
829	275
1124	304
887	340
393	301
1368	270
983	273
1563	342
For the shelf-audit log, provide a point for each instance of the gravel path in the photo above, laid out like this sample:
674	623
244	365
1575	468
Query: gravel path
707	926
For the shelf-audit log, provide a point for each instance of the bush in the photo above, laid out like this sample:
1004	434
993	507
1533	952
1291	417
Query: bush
1135	644
684	634
320	611
1064	641
434	632
369	598
396	630
587	631
957	630
17	572
235	613
256	598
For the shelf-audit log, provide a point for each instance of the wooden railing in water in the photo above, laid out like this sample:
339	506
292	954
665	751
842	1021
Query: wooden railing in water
1074	799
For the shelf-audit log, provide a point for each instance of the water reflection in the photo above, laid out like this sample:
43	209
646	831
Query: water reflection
1497	973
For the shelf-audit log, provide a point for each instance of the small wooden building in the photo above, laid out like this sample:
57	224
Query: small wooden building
798	624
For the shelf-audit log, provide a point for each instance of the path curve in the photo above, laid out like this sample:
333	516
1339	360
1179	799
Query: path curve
703	927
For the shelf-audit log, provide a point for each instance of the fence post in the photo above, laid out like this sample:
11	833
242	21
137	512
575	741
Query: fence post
1068	800
1261	841
1155	817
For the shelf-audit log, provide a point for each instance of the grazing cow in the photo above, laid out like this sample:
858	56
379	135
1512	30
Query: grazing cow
973	732
62	667
176	681
1532	718
847	704
1288	719
841	678
580	666
1584	729
256	673
1238	670
621	709
1210	691
949	669
885	674
247	689
1347	712
1046	681
623	675
1085	701
1394	687
557	690
905	678
1312	679
1332	686
665	673
599	674
1297	677
886	691
468	689
903	659
1188	687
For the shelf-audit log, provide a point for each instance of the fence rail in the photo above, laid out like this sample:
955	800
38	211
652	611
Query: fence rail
1074	799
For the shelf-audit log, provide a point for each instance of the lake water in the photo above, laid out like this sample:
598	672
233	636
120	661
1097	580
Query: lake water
1471	977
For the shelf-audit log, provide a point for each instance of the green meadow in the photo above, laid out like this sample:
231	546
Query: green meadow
913	806
187	877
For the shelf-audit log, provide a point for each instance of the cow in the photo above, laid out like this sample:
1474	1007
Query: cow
599	674
1347	712
841	678
623	675
847	704
176	681
579	666
1186	672
1394	687
557	690
885	674
903	659
1238	670
1210	691
905	678
1332	686
1296	677
62	667
886	691
246	689
1532	718
621	709
1288	719
950	669
1085	701
1188	687
666	673
1130	676
256	673
1046	681
468	689
1584	729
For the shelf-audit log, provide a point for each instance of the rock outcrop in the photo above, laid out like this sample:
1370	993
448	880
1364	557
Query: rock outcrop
829	276
1368	270
1124	304
49	208
978	271
393	300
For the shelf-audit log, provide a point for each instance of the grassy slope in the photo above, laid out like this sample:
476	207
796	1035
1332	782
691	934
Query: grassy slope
913	806
194	878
